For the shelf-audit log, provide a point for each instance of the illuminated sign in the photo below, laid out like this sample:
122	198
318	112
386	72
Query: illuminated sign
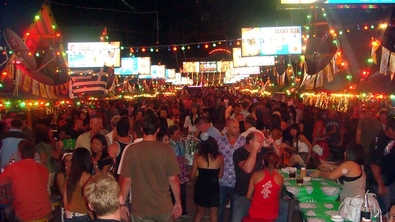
284	40
239	61
93	54
191	67
170	75
208	67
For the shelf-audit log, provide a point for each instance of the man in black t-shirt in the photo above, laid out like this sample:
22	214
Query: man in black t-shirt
382	156
247	160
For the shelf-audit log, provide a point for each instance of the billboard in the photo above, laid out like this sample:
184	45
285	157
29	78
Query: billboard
284	40
239	61
129	66
157	72
245	71
223	66
93	54
208	67
134	66
337	1
170	75
190	66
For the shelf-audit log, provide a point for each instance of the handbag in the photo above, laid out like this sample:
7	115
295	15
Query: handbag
350	208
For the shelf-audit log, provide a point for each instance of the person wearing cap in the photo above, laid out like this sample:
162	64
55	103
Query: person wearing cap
63	174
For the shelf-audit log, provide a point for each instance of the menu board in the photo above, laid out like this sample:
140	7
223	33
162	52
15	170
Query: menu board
284	40
239	61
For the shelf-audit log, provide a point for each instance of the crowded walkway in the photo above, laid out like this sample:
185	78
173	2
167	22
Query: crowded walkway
161	151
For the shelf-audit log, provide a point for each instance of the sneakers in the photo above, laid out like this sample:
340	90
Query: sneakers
185	214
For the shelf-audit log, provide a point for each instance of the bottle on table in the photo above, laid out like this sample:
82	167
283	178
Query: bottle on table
303	172
365	210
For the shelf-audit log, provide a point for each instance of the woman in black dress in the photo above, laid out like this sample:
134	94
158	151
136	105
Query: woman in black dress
210	165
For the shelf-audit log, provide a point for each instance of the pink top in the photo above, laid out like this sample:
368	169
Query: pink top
265	201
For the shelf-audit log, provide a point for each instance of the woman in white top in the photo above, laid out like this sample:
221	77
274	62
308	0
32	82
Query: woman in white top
301	145
190	119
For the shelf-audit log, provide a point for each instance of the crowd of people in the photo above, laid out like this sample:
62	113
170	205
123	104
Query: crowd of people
141	145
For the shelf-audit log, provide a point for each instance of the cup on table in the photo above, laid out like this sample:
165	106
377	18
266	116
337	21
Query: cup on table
299	181
292	173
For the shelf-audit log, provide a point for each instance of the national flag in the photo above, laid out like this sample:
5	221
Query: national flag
89	83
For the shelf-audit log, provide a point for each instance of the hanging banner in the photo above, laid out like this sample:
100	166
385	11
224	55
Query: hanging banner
320	79
392	65
19	76
328	71
309	81
384	61
373	54
50	91
26	83
43	92
35	90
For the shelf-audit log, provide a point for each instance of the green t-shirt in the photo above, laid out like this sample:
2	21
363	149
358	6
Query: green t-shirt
47	149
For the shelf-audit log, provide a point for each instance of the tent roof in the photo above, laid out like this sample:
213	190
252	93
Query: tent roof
43	39
377	83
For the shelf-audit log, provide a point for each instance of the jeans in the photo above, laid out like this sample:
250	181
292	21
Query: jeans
240	208
283	211
386	200
224	192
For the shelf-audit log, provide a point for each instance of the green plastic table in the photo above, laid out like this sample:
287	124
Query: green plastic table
318	211
315	190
